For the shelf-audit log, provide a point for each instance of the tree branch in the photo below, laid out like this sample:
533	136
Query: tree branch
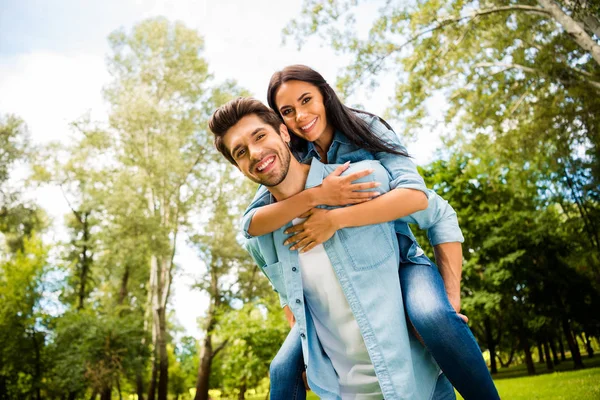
537	71
578	34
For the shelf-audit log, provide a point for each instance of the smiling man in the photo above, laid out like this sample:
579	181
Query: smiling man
344	294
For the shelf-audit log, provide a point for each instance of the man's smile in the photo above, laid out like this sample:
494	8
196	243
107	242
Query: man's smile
265	164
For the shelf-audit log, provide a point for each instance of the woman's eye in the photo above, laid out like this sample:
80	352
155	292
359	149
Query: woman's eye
286	112
305	100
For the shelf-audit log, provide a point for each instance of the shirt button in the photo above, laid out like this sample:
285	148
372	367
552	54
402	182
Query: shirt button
298	301
305	366
294	269
302	335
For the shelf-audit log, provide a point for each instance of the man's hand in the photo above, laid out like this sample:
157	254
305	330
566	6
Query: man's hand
289	316
339	190
318	228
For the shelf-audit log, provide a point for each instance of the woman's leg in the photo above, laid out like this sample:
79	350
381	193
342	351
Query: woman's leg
286	369
446	336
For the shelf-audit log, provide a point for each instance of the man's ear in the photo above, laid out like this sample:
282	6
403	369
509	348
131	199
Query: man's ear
284	133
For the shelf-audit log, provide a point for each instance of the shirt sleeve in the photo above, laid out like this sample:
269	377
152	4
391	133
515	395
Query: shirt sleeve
402	170
251	246
439	218
261	198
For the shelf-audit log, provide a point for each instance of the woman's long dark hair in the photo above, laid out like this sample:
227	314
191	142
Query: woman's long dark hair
342	118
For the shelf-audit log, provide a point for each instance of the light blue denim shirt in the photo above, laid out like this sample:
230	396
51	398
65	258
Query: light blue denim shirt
365	260
439	218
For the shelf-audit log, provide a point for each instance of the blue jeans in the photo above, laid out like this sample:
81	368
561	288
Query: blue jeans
446	336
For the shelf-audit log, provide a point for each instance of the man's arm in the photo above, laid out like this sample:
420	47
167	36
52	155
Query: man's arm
449	260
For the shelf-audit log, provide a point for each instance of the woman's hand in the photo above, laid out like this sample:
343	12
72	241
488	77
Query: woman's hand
339	190
318	228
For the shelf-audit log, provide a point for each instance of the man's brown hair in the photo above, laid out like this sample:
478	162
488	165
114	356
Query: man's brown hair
232	112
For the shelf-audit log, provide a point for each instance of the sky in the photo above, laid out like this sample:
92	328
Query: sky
52	70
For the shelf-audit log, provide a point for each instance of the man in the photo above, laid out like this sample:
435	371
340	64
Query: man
345	294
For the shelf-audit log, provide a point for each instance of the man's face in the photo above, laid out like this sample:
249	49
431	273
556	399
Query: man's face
260	152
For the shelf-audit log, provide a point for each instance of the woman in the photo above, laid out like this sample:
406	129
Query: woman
323	127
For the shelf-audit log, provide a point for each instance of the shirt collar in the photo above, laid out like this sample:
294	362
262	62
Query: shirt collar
316	174
338	137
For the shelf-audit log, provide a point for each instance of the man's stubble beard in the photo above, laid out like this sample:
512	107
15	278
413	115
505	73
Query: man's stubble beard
285	158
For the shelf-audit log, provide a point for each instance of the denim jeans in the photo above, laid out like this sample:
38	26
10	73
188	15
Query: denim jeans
446	336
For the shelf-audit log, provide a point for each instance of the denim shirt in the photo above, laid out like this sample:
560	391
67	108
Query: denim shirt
439	218
365	260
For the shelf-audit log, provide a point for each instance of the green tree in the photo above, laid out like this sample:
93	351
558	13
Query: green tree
160	101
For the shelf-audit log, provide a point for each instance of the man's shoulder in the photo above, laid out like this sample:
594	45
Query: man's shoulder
379	174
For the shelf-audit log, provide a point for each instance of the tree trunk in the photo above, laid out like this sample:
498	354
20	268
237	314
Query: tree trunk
94	394
577	361
527	350
549	363
540	352
152	383
106	393
204	369
163	378
576	32
510	358
139	383
561	348
588	345
207	354
242	393
86	260
554	353
491	344
123	290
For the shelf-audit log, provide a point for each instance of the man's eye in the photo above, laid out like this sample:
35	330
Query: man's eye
240	153
260	136
305	100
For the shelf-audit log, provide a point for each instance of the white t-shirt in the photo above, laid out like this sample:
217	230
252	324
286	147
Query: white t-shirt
336	327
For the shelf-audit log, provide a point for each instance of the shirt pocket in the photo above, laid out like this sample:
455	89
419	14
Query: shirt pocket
274	273
367	246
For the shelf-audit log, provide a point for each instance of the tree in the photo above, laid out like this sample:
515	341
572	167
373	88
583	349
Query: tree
21	339
525	73
160	102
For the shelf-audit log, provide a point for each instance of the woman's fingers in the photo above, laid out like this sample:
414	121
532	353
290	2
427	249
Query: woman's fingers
364	186
356	175
295	229
338	171
294	239
308	247
301	244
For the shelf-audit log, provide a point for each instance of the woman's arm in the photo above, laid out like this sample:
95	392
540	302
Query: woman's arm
322	224
335	190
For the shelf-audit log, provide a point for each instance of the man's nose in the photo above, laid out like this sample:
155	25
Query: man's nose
255	152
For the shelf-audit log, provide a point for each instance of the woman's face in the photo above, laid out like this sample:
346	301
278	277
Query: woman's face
301	106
